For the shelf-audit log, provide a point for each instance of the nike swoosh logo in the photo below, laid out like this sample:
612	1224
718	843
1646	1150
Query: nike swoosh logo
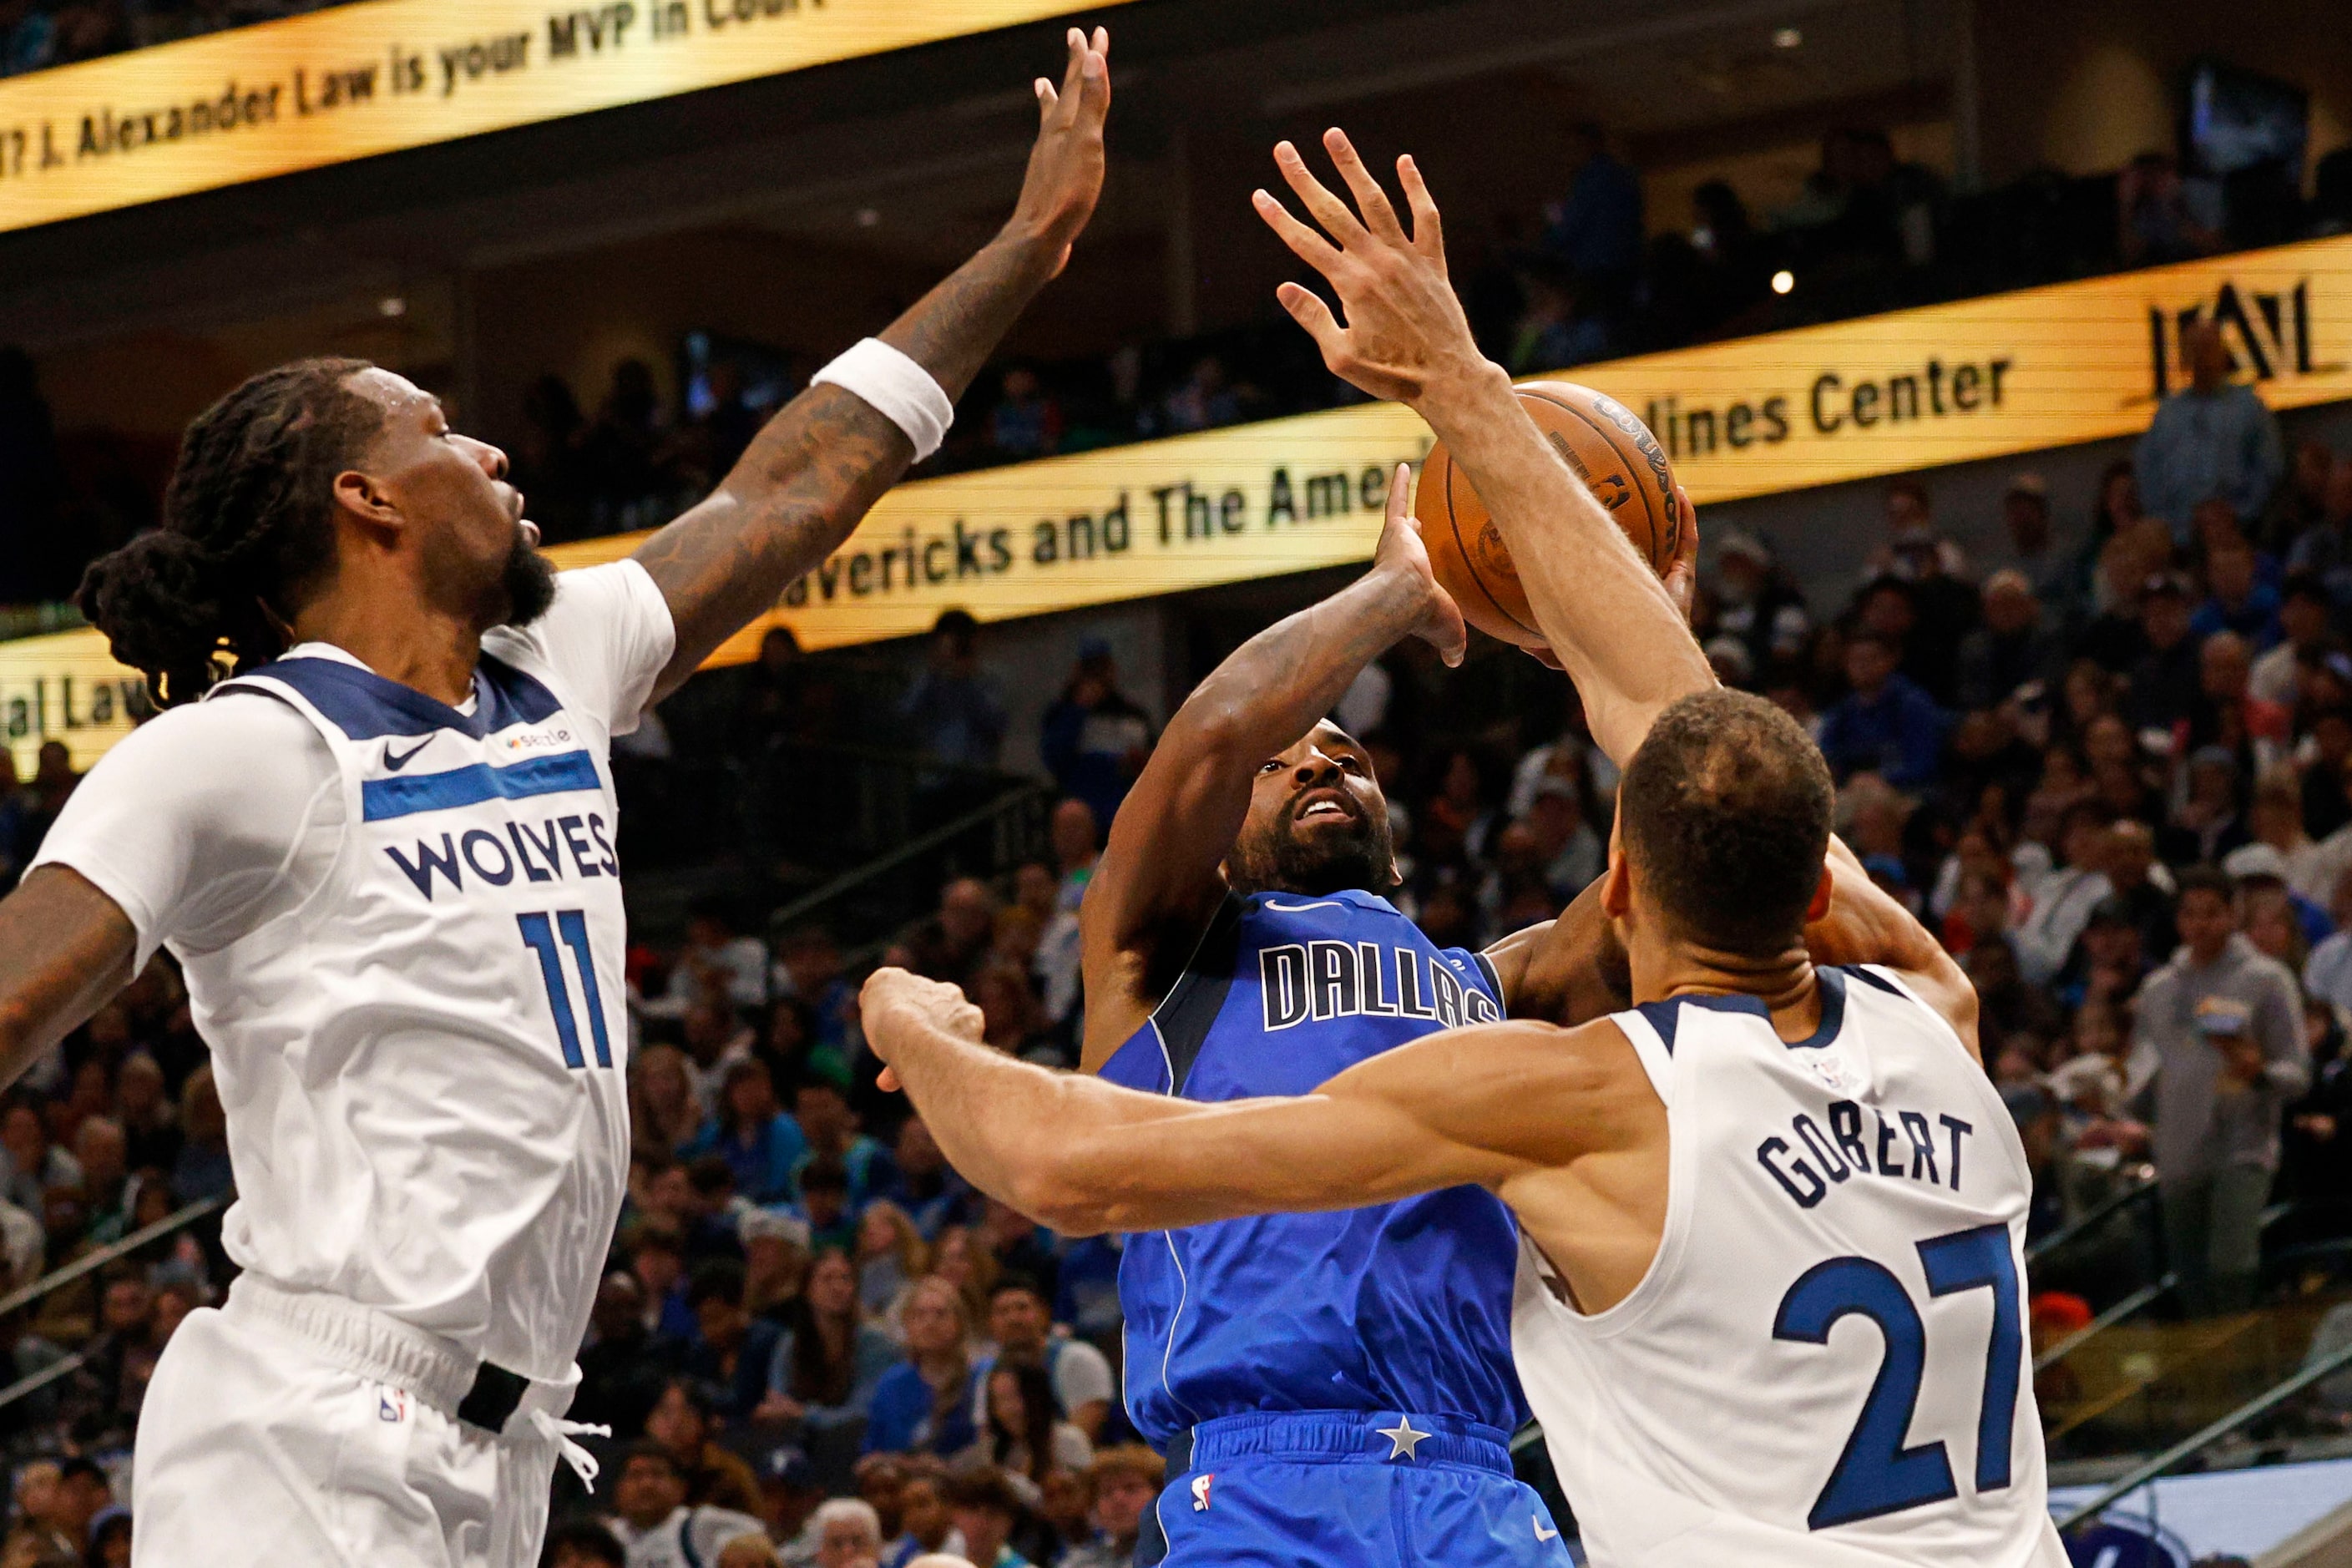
392	764
1543	1534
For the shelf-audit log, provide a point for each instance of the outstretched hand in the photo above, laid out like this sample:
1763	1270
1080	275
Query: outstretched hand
1402	555
1404	326
1065	167
893	1002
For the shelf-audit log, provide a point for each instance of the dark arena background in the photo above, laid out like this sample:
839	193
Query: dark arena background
2005	349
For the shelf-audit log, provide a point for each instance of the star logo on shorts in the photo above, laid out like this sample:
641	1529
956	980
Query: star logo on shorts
1402	1436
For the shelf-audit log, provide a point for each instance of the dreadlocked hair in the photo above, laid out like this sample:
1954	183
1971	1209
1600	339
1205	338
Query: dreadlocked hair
248	529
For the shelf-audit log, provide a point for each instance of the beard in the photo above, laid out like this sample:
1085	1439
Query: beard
1279	859
527	583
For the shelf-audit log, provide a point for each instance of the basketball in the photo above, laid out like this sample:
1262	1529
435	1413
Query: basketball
1610	450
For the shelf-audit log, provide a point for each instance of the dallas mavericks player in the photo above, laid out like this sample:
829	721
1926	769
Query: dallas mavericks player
1769	1303
383	853
1237	942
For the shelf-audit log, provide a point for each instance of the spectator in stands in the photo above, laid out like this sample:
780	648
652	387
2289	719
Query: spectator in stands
2063	899
2166	677
891	1256
1074	833
834	1134
2155	221
1126	1481
848	1534
2212	437
42	1536
2305	638
715	1476
625	1365
986	1509
1094	737
2224	1026
665	1114
626	453
1755	601
2235	599
954	942
658	1524
2054	576
954	708
928	1526
2011	647
927	1187
2326	546
1020	1431
1886	724
1026	421
825	1367
716	962
584	1543
733	1349
925	1403
1595	226
1019	1320
1205	400
761	1145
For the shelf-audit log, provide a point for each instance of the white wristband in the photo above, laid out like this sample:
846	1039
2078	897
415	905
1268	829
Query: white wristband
899	389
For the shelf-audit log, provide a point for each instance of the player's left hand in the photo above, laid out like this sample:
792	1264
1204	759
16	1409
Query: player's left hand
895	1004
1405	327
1402	555
1066	166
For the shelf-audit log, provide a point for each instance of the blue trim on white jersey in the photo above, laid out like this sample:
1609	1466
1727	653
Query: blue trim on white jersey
365	706
1664	1015
383	799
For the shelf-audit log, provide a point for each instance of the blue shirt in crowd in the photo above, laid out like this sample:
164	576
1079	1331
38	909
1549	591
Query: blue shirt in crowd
2206	444
1898	735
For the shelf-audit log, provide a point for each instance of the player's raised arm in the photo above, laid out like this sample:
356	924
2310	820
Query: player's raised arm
1159	880
823	462
66	948
1470	1107
1611	623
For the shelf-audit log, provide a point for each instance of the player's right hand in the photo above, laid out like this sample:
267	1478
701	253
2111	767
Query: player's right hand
897	1008
1402	555
1066	166
1405	329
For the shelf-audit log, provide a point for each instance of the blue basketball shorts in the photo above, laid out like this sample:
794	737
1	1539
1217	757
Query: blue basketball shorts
1315	1489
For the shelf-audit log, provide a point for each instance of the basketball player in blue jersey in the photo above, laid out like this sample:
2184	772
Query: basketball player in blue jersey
375	825
1769	1273
1238	941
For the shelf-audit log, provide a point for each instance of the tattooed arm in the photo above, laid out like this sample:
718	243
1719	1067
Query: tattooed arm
808	478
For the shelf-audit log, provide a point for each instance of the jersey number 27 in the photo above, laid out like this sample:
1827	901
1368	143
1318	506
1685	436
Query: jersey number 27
1876	1474
539	935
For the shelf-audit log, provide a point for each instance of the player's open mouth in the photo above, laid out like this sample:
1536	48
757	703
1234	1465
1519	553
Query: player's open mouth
1324	805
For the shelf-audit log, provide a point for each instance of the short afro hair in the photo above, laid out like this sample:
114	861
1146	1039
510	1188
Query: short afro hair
1725	811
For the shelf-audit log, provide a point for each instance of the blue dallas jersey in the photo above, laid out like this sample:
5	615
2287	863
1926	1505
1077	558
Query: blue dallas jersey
1399	1307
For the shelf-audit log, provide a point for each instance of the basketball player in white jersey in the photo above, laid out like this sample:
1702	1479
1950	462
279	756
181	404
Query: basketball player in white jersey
382	851
1769	1307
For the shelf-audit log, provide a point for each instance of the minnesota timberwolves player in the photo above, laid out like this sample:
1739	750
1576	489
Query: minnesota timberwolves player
1768	1299
384	852
1238	941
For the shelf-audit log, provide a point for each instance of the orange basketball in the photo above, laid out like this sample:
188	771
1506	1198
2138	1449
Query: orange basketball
1610	450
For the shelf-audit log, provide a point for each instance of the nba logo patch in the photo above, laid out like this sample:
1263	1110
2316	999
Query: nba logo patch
391	1404
1830	1066
1200	1493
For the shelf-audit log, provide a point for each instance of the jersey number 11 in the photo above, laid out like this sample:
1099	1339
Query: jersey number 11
539	935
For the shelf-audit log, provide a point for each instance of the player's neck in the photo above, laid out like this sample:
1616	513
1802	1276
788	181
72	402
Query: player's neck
399	638
1783	982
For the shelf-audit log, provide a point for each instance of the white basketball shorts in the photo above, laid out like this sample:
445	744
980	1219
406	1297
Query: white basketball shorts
257	1443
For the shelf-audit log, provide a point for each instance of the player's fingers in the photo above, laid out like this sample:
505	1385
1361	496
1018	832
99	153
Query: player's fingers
1074	75
1307	309
1321	204
1371	200
1304	243
1687	546
1428	229
1401	498
1093	97
1046	99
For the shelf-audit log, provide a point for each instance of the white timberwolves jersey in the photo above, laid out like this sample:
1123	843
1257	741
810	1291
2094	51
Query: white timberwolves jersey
1826	1363
423	1060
